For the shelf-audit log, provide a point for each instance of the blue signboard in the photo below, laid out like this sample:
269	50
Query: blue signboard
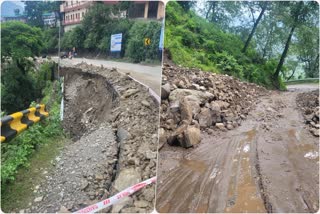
161	41
116	41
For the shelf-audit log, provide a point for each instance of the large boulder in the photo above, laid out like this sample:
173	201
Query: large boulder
176	136
165	91
191	136
186	110
192	95
204	118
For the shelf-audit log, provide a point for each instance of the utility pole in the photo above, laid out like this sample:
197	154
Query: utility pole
59	48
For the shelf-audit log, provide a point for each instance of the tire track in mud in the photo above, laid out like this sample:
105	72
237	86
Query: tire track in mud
258	167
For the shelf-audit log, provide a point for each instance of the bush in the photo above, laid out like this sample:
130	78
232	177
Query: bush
194	42
136	50
16	153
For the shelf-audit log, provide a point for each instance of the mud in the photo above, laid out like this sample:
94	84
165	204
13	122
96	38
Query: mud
268	164
89	100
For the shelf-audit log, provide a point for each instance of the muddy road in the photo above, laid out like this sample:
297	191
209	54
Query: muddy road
268	164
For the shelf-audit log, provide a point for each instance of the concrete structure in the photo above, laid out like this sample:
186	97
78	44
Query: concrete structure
74	11
146	10
20	18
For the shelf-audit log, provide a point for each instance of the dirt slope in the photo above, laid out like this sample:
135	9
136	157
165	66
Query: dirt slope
113	121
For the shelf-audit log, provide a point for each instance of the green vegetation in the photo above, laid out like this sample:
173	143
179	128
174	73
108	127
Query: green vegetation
23	85
18	151
213	40
18	194
94	34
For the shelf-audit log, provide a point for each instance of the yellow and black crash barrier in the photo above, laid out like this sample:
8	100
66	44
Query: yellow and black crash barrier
13	124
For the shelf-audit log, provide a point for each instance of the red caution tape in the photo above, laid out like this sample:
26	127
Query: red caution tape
114	199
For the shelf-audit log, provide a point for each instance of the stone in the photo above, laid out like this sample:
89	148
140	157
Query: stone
127	201
145	103
220	126
229	126
99	177
165	91
315	132
141	204
174	106
122	134
172	139
204	118
194	95
162	137
126	178
185	109
38	199
191	136
151	155
149	194
63	209
84	185
130	92
215	107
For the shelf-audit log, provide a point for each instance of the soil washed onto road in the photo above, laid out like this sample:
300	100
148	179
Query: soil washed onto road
270	163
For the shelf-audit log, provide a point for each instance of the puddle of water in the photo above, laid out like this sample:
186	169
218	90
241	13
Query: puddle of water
251	134
295	137
312	155
194	165
243	189
246	148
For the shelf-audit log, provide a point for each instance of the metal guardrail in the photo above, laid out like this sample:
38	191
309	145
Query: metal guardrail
13	124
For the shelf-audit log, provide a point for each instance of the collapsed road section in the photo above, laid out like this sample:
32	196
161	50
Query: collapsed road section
232	146
113	122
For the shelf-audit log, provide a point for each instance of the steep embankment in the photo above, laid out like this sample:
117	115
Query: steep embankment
267	164
113	121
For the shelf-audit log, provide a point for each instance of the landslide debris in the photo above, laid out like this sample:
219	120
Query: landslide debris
308	102
193	100
113	121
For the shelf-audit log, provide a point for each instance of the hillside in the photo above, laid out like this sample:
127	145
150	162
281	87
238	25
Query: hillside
191	41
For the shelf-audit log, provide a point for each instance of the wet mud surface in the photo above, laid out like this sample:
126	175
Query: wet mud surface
268	164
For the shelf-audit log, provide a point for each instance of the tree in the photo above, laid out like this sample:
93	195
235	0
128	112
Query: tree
35	9
221	13
300	13
19	41
187	5
263	6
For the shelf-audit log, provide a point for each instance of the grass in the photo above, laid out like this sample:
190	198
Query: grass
19	193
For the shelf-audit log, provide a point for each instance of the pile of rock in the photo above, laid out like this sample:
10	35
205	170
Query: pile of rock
309	104
193	100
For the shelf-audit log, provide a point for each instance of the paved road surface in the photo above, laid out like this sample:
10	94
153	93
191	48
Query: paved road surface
148	75
303	87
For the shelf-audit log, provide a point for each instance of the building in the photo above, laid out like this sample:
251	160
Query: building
73	12
50	19
20	18
146	10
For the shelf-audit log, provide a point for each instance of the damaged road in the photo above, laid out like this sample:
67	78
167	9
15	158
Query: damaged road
267	164
113	122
